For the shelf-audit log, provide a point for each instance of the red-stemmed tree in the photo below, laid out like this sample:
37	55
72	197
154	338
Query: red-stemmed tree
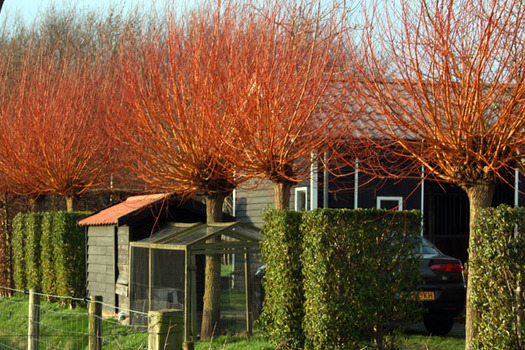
53	105
174	116
442	86
290	64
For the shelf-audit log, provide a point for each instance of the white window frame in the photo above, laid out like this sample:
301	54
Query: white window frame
297	191
390	198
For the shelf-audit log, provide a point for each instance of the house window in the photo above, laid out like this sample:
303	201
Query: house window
390	203
301	198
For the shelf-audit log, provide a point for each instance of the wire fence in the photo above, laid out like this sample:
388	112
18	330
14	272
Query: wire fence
67	323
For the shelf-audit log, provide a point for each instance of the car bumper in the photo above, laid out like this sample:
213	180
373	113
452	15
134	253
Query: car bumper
449	299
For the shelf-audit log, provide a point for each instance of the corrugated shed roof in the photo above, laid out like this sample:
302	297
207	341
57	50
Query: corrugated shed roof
110	216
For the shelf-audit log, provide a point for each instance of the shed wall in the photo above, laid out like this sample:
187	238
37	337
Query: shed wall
122	286
100	259
251	203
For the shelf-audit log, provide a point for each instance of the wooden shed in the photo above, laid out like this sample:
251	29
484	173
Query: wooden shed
110	231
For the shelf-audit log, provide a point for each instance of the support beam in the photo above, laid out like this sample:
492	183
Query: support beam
188	340
248	292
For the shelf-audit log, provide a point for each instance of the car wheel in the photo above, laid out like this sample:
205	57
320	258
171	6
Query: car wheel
438	325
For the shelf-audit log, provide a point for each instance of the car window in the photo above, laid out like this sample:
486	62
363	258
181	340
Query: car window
427	248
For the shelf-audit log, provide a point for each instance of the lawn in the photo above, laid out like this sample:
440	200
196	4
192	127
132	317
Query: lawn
232	309
410	341
417	339
67	329
62	327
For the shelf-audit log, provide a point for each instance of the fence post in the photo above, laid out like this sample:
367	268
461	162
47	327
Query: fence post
165	329
95	323
33	323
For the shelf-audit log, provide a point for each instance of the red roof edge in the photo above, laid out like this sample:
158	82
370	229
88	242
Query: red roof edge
110	215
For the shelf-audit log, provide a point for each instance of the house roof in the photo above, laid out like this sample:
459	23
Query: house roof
132	205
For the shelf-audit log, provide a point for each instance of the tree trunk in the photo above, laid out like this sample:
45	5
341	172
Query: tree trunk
70	204
480	196
212	284
282	191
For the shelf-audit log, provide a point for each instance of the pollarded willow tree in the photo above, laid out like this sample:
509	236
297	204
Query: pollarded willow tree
290	62
52	112
56	82
442	85
175	118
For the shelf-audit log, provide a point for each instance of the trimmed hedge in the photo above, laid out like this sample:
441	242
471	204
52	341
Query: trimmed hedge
360	268
282	315
69	249
498	286
49	280
18	254
339	279
33	233
49	253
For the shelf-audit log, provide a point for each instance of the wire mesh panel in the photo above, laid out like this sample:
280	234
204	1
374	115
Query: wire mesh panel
233	293
233	298
139	283
157	277
13	317
65	328
168	279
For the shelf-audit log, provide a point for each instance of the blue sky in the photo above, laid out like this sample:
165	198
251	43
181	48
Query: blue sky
29	9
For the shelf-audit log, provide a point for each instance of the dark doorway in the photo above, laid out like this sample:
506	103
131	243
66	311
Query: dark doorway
446	221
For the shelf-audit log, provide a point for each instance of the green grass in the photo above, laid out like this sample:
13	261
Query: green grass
416	339
424	342
235	343
61	327
257	342
59	320
233	311
226	270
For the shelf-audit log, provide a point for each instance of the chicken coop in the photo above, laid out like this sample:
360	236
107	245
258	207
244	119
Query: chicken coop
167	268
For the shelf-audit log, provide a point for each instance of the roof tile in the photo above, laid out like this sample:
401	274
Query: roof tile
110	215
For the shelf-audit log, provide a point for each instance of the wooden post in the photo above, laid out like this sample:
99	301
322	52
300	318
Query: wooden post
95	323
165	329
248	292
193	296
150	280
33	321
188	339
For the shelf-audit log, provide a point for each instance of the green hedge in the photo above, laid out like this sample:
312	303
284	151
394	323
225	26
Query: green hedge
18	254
69	249
498	286
49	280
360	268
33	233
49	253
339	279
282	314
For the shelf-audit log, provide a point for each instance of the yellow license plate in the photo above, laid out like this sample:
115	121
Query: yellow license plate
426	295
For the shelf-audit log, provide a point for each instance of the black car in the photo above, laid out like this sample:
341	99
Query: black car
443	292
